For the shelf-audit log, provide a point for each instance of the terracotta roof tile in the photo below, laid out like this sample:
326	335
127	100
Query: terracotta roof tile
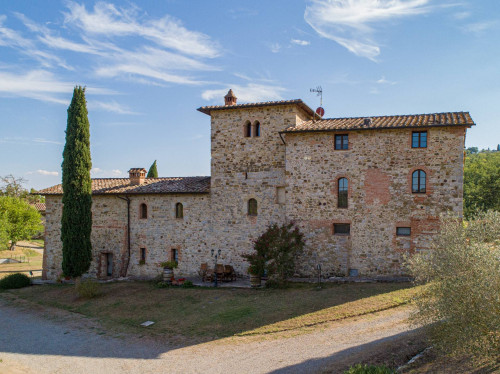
39	206
299	102
103	186
385	122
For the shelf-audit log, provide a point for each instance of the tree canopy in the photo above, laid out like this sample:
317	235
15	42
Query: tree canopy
12	186
153	171
76	221
18	219
481	182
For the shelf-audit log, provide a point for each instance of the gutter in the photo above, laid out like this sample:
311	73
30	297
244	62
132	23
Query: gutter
127	199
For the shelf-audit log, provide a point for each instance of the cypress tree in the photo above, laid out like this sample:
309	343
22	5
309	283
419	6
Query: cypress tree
153	171
76	222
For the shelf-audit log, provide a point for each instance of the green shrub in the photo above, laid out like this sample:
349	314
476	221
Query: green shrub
460	303
188	284
87	288
369	369
16	280
162	284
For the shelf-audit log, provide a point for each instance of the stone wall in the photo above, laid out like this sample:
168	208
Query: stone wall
378	166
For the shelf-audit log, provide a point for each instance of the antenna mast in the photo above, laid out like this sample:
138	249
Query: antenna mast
319	92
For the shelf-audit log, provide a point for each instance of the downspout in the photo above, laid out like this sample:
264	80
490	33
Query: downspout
127	199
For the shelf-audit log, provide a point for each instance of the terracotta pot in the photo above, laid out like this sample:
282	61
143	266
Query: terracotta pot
254	281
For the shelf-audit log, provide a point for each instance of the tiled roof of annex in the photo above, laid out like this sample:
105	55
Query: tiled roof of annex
298	102
115	186
385	122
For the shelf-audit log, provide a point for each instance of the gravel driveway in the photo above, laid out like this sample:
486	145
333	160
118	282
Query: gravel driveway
33	343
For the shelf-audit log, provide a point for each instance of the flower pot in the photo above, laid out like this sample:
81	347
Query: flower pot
254	281
168	274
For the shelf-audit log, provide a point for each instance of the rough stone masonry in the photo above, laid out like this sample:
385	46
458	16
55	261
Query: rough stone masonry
365	191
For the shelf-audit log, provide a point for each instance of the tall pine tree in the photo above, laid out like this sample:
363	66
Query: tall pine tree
153	171
76	222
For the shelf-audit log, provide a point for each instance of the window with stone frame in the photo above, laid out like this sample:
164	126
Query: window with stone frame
342	142
174	255
418	181
403	231
143	256
342	189
248	129
341	229
252	207
419	139
179	210
256	129
143	211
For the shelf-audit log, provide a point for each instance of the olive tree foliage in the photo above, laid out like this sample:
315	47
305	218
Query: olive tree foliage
461	302
76	221
18	220
481	182
276	251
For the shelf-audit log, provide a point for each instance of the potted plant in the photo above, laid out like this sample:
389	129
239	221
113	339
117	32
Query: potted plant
168	270
256	268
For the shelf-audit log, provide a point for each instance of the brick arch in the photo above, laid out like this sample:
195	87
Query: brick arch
247	129
335	189
256	128
428	185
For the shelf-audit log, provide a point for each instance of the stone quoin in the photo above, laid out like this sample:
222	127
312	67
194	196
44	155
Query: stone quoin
365	191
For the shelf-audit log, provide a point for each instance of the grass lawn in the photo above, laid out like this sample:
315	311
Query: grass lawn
207	313
33	260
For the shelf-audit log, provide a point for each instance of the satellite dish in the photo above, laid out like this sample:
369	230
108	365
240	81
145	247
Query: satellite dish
320	111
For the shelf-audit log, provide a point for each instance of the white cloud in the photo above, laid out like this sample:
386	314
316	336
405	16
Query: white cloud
116	172
109	20
300	42
461	15
479	27
385	81
111	106
46	172
105	173
41	140
275	47
350	22
250	93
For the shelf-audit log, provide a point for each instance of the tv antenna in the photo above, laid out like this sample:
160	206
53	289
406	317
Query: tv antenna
319	92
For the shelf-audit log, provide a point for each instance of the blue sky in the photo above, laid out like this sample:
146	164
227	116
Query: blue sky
148	65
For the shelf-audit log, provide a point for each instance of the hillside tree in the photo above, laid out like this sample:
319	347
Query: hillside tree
76	221
18	219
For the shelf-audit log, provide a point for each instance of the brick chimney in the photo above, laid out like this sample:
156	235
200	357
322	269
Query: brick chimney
137	175
230	99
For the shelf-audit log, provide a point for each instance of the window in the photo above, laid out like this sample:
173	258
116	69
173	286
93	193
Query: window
419	139
143	255
403	231
257	128
341	229
341	142
179	210
342	192
418	181
143	213
248	130
252	207
174	255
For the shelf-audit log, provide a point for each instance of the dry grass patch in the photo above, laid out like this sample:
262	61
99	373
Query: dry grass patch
33	260
207	313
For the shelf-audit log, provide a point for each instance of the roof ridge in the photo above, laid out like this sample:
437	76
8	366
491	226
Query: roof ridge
391	115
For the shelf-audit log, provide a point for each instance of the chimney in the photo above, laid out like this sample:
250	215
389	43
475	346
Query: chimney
367	122
230	99
137	175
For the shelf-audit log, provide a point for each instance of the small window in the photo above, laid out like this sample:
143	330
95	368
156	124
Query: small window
342	192
179	210
403	231
341	229
143	211
341	142
143	255
174	255
248	130
419	139
252	207
418	182
257	129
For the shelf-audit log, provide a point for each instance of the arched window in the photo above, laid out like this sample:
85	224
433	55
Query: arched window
248	129
342	192
418	181
252	207
143	211
179	210
256	128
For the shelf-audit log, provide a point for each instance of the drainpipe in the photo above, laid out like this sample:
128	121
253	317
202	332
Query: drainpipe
127	199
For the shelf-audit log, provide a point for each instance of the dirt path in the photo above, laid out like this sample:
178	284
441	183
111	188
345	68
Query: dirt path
41	345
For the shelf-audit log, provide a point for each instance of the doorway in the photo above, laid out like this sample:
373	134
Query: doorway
109	264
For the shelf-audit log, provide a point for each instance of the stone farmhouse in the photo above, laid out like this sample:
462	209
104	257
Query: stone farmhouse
365	191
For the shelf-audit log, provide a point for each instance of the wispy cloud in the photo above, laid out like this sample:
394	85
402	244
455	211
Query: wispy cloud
480	27
100	172
275	47
252	92
44	172
42	140
351	23
385	81
300	42
111	106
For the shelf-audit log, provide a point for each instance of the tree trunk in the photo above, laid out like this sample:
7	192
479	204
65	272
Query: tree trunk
12	246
